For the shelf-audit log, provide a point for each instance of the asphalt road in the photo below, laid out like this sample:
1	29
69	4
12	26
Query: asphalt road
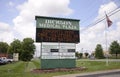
107	73
110	74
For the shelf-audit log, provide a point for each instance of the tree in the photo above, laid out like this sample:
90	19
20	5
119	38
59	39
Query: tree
28	48
15	46
114	48
86	54
78	55
3	47
99	52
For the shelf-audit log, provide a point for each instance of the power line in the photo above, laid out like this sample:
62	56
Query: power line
100	19
90	9
103	18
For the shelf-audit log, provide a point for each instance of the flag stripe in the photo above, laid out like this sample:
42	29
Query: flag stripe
109	22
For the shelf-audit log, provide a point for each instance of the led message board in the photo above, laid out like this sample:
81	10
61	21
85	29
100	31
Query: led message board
49	29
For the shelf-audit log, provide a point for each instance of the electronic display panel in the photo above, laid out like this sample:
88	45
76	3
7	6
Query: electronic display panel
51	29
56	35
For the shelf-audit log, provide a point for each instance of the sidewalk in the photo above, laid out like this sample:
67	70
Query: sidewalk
90	73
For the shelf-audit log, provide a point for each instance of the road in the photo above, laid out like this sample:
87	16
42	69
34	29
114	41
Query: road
108	73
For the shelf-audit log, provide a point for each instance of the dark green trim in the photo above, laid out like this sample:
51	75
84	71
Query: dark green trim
57	63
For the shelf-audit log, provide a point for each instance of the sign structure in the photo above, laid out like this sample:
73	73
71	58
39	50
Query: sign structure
58	38
58	51
51	29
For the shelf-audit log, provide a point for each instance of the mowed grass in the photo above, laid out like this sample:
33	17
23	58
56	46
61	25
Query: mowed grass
22	69
98	65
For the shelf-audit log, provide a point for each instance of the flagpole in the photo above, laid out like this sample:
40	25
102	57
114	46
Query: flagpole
106	40
107	24
106	46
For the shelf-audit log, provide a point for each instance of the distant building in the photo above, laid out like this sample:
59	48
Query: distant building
15	56
3	55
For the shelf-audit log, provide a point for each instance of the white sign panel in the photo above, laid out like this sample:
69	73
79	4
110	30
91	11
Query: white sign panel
58	51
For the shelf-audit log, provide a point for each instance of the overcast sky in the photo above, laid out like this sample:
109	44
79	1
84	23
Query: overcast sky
17	19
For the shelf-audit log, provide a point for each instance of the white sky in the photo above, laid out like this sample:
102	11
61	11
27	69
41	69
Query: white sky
17	19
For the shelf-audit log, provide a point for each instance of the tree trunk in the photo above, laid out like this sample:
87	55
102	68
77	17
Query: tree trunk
116	55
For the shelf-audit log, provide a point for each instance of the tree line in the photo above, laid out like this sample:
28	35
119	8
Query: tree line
25	48
114	48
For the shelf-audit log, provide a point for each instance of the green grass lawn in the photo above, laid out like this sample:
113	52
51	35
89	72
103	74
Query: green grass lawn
22	69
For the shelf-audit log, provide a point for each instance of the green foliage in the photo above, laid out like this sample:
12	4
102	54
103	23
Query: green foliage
86	54
78	55
28	48
114	48
99	52
25	48
15	46
3	47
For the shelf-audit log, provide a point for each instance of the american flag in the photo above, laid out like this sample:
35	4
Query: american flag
109	22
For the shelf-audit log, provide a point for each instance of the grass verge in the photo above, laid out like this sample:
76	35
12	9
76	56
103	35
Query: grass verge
22	69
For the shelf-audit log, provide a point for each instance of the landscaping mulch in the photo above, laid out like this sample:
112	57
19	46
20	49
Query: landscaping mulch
58	70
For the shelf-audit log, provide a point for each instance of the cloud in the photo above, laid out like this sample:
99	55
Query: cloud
6	33
11	4
24	23
114	33
96	34
4	27
107	8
